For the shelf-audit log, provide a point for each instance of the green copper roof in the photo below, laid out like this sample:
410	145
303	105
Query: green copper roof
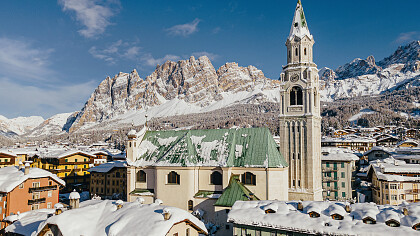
235	191
247	147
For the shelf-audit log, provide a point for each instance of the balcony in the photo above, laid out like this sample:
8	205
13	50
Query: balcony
331	189
412	191
44	188
35	201
329	179
329	169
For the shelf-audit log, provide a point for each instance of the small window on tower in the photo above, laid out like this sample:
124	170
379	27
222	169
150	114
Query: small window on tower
304	51
296	24
296	52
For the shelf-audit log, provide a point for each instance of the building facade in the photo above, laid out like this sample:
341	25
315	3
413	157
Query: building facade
25	189
300	120
338	170
108	180
205	171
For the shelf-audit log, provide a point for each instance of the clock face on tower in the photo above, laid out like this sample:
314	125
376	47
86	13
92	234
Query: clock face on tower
294	78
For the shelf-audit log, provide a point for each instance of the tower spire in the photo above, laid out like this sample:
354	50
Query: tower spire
299	25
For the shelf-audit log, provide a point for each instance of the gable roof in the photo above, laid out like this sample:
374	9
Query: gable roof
235	191
247	147
12	176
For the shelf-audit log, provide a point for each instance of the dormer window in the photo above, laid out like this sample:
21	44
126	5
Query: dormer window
314	214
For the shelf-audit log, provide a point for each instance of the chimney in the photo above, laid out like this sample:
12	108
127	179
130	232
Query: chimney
348	208
300	206
20	165
166	214
405	211
74	199
251	196
119	204
27	166
58	208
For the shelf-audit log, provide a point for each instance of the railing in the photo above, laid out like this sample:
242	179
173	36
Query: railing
40	189
329	179
328	169
331	189
412	191
35	201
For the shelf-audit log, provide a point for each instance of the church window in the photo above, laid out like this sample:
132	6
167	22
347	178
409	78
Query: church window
173	178
315	99
289	54
141	176
304	51
249	178
296	96
296	52
298	156
216	178
298	183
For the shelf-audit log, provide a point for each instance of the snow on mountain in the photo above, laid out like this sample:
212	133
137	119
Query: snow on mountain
51	126
174	88
366	77
19	125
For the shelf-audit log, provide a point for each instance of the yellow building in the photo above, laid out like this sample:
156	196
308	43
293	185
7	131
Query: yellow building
12	157
70	165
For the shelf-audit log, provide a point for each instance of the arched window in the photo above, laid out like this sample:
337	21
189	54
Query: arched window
141	176
296	96
289	54
216	178
315	104
173	178
304	51
249	178
190	205
296	52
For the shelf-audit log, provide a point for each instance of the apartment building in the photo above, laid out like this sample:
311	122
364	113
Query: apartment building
108	180
338	169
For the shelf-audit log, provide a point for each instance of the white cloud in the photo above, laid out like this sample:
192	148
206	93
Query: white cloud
92	15
20	59
184	29
408	37
210	55
116	51
24	100
216	30
149	60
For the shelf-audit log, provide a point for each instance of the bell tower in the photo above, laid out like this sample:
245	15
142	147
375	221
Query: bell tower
300	120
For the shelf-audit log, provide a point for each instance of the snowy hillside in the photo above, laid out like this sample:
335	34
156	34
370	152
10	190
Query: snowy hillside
366	77
51	126
19	125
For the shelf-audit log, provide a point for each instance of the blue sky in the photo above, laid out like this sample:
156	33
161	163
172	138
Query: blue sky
53	54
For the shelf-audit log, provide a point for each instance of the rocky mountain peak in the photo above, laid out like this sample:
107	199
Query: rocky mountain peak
406	54
358	67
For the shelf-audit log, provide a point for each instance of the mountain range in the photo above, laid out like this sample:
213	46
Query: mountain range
195	86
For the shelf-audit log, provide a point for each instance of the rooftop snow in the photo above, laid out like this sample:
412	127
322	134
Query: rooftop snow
11	177
289	218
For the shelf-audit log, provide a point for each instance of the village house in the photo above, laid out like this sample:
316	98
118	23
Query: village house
338	170
394	181
23	189
267	218
359	144
69	165
108	180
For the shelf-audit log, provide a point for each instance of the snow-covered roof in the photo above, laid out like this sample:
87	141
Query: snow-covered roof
106	167
337	154
389	169
348	139
379	148
412	141
290	219
29	221
101	217
11	177
299	25
74	195
61	153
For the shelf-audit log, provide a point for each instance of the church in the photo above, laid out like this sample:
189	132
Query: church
206	171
